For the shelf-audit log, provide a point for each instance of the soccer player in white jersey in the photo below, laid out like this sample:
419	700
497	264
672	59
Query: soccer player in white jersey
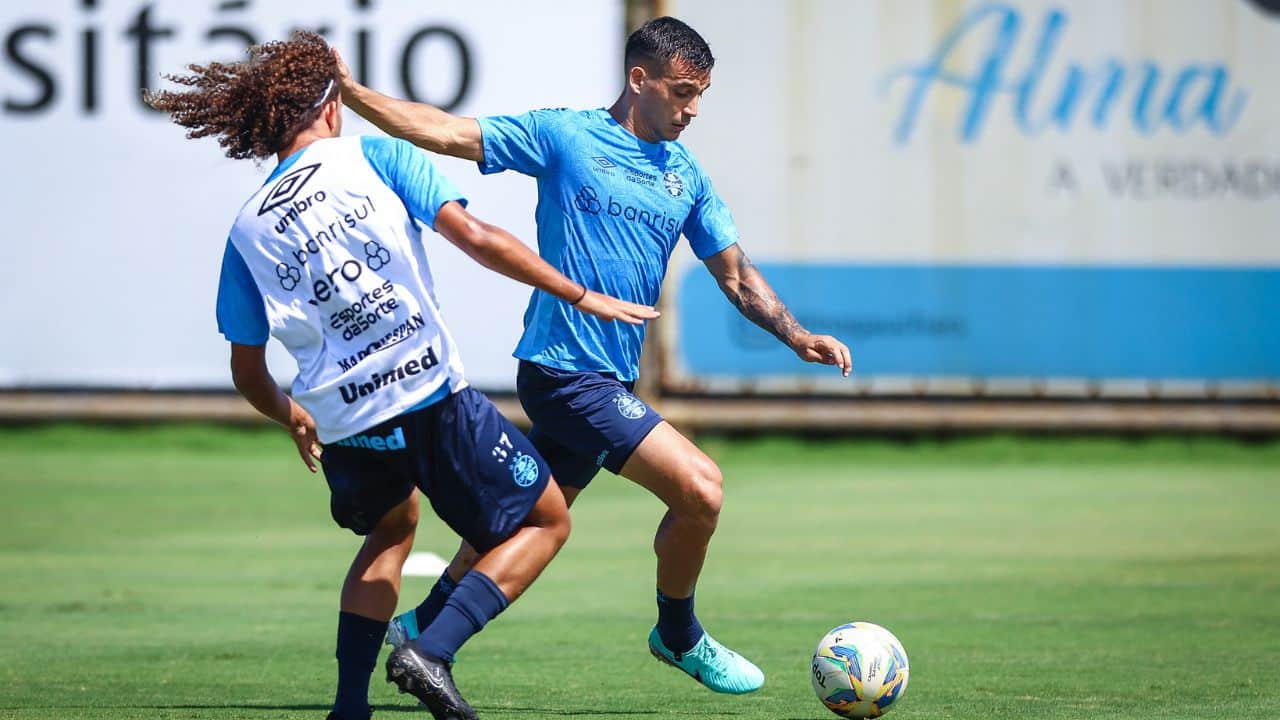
328	258
615	193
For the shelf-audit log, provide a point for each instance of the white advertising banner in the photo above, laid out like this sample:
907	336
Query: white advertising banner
1013	194
116	223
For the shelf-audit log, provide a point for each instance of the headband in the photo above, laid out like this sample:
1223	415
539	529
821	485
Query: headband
327	89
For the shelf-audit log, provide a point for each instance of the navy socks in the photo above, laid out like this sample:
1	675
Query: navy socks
462	614
677	625
447	618
359	640
426	613
475	601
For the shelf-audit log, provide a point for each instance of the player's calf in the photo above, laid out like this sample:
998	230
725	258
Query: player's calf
703	494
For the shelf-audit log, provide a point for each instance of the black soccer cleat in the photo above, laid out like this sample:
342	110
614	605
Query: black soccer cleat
429	680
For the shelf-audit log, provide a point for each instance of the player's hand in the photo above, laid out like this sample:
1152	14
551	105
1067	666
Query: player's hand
302	430
607	307
345	81
824	349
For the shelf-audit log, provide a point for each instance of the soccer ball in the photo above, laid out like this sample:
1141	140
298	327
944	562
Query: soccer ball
859	670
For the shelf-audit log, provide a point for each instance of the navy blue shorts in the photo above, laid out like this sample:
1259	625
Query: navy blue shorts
481	474
582	421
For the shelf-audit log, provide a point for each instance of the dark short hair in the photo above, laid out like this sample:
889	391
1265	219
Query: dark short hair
664	39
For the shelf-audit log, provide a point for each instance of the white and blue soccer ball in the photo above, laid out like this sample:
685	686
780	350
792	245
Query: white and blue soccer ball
859	670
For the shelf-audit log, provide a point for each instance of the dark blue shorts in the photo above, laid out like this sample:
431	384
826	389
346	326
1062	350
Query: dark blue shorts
480	473
582	421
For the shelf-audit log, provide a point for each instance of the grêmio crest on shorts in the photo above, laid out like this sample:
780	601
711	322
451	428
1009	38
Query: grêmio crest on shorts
344	278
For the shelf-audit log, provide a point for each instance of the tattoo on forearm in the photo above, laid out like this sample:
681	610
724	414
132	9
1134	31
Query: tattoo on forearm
757	301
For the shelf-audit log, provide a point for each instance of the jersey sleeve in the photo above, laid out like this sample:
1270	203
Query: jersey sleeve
524	143
709	227
242	316
409	173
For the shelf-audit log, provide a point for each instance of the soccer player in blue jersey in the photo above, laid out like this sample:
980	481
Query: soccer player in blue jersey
615	193
328	258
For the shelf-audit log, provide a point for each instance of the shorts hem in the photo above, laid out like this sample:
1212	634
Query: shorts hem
493	540
616	467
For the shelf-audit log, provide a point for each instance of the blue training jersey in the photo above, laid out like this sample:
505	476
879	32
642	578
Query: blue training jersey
611	208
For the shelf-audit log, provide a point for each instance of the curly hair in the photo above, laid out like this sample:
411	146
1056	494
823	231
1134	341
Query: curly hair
256	107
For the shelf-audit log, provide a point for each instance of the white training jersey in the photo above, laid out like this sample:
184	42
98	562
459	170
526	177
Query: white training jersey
327	257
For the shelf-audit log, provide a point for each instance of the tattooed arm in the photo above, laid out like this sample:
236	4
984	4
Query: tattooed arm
747	289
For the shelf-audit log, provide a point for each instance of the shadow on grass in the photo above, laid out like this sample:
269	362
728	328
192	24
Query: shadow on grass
607	713
380	709
568	713
210	706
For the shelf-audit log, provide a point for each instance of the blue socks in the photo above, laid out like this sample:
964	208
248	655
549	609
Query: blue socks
431	606
677	625
359	639
475	601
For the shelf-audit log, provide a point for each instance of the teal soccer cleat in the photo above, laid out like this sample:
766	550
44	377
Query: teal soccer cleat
403	628
711	664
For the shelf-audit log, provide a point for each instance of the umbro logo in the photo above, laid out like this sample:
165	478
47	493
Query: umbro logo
604	162
287	188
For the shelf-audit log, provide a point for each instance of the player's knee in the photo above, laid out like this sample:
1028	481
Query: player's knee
705	491
559	525
561	531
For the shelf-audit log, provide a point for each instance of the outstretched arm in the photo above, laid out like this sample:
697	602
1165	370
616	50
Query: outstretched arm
249	373
500	251
747	289
421	124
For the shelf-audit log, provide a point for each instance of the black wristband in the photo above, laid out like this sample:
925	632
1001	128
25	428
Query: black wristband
584	294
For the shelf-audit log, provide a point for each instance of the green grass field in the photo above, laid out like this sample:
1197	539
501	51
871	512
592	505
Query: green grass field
193	573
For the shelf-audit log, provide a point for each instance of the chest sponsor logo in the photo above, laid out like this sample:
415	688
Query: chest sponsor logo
605	166
363	315
376	256
395	336
336	231
289	276
355	390
587	200
640	178
326	283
